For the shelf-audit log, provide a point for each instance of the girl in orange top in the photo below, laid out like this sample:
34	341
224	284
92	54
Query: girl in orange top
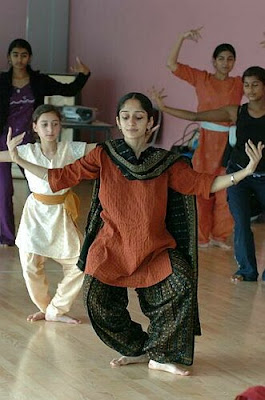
130	243
215	223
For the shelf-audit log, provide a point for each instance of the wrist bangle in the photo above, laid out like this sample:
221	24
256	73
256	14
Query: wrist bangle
232	178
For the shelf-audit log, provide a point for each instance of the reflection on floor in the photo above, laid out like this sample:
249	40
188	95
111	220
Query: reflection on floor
53	361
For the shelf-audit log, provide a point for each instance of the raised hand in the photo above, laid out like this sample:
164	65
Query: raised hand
12	143
193	34
255	154
80	67
158	97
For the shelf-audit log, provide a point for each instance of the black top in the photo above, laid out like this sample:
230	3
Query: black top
41	85
251	128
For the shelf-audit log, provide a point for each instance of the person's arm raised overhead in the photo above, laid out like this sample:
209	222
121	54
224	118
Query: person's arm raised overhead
172	60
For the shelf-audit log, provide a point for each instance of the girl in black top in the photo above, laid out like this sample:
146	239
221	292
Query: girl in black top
21	91
250	122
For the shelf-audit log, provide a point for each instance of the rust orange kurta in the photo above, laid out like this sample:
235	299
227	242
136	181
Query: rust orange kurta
131	249
215	219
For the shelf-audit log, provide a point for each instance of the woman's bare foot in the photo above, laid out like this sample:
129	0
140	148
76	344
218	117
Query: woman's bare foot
203	245
167	367
124	360
62	318
38	316
237	278
220	244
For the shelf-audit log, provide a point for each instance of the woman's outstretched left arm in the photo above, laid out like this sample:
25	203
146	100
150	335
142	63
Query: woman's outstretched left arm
255	155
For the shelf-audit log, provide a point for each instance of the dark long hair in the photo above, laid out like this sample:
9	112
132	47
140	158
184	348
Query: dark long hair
143	100
21	44
224	47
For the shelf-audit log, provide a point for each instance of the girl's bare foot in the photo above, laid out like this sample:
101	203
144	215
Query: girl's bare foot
62	318
124	360
167	367
38	316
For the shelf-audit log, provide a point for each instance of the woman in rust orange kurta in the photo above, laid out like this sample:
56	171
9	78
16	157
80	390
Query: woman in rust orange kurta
213	90
133	243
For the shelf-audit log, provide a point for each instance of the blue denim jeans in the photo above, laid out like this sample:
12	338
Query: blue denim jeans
239	204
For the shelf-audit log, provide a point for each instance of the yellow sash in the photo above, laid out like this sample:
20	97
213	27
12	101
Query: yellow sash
70	201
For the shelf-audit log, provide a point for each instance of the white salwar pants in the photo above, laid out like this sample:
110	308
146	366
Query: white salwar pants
37	284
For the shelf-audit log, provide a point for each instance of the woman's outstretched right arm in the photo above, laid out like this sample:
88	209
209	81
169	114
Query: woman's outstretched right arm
172	60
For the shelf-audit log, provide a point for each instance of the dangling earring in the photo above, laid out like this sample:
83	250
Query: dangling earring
148	131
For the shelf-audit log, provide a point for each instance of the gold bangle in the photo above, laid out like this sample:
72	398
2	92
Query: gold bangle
232	178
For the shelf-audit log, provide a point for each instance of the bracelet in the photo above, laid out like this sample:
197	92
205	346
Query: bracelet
232	178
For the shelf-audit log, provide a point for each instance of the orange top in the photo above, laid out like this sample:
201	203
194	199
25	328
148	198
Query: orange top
130	249
211	93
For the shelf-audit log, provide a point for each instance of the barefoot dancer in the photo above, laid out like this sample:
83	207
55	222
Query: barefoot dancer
47	227
130	238
213	90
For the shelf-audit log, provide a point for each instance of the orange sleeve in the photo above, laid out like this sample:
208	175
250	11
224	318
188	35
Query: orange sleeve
190	74
87	167
183	179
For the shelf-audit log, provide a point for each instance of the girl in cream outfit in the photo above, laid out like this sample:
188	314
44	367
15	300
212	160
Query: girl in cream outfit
47	228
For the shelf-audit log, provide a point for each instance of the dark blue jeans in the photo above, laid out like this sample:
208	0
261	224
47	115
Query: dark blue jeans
239	204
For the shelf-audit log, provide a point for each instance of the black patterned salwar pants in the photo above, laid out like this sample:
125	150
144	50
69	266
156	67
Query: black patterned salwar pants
169	305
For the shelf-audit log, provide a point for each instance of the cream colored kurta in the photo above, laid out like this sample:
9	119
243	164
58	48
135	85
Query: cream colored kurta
48	230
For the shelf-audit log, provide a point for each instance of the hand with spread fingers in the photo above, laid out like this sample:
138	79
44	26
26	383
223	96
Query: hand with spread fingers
80	67
158	97
255	155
